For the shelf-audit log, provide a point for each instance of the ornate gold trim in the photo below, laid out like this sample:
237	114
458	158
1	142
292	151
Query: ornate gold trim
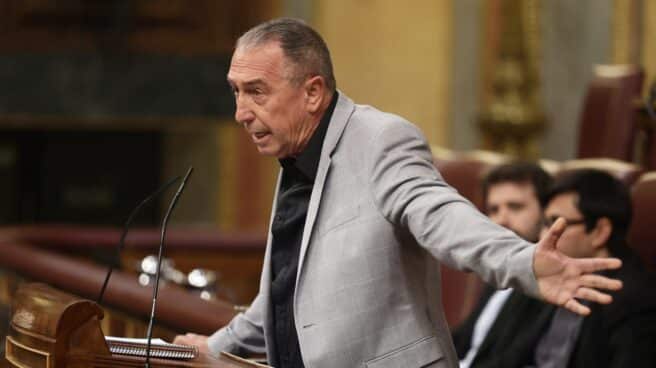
511	117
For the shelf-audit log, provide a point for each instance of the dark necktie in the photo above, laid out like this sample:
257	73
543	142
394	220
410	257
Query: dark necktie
555	347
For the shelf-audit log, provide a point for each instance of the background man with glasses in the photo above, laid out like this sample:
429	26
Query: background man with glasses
598	210
524	332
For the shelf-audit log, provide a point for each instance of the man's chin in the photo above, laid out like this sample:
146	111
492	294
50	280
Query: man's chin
269	151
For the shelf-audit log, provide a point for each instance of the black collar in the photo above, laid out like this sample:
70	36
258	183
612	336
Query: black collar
307	162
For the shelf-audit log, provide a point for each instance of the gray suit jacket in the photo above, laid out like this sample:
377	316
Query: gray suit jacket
368	284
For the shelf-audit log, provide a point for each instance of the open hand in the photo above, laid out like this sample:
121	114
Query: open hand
562	279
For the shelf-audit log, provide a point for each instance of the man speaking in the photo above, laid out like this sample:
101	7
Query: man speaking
360	221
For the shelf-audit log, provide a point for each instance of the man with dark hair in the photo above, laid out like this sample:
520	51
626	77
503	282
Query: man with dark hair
496	333
360	219
514	195
598	211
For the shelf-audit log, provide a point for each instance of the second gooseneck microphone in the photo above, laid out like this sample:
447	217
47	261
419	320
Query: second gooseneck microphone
165	221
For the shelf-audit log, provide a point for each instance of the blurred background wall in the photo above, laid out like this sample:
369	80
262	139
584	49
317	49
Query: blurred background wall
101	101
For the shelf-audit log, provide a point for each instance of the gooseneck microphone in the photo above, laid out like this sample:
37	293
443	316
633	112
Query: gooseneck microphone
165	221
126	227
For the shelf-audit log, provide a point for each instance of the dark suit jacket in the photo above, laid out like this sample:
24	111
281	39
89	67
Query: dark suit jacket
617	335
623	333
512	338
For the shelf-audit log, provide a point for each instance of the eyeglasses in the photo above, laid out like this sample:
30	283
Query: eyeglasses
549	221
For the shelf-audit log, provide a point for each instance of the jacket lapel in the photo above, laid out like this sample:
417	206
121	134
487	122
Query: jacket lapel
338	121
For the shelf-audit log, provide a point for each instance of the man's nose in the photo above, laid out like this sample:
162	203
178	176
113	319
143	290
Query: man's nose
243	113
502	218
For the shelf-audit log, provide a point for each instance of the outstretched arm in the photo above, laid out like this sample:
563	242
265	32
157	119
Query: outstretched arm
562	279
409	192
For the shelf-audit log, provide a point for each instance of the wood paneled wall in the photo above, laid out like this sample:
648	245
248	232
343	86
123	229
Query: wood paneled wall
161	26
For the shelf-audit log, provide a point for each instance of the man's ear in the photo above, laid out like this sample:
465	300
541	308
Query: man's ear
601	232
315	89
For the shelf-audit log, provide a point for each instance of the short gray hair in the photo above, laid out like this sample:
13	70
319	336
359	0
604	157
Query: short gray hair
301	45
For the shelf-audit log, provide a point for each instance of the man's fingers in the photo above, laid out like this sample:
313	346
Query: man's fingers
589	265
577	307
600	282
186	339
593	295
554	233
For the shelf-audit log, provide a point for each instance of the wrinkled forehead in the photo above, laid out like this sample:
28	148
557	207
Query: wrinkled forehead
265	62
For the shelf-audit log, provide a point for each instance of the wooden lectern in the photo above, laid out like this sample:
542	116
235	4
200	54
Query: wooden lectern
53	329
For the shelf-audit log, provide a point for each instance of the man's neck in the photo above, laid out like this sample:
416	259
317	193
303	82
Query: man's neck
313	124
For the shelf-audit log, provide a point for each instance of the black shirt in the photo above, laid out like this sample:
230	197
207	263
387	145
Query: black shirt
287	229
